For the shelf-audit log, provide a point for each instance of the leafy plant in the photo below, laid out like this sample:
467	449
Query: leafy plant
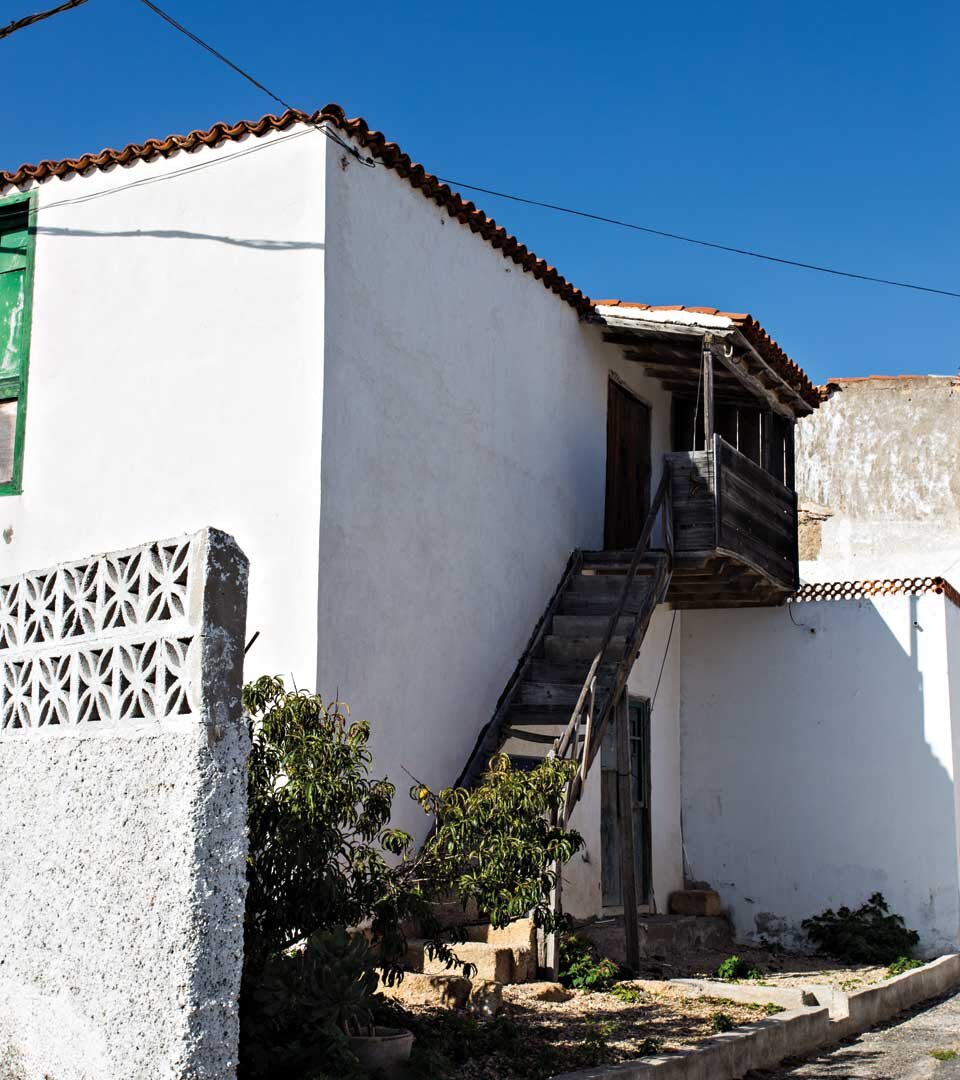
323	858
771	1009
631	995
650	1047
868	935
903	964
945	1055
721	1021
734	968
596	1046
582	967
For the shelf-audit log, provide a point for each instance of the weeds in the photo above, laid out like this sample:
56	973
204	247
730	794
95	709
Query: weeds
733	969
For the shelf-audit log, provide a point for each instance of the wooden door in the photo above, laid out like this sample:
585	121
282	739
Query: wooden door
628	468
611	820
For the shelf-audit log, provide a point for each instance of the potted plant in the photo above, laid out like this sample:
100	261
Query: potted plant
339	974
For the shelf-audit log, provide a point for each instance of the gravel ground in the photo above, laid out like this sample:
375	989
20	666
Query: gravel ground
896	1051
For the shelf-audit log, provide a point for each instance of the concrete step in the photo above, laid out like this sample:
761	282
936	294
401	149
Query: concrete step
662	936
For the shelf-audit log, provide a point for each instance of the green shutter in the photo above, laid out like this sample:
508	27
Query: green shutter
16	278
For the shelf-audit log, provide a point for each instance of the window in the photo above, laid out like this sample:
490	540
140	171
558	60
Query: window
16	281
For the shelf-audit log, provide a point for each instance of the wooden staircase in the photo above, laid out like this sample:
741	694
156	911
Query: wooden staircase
562	693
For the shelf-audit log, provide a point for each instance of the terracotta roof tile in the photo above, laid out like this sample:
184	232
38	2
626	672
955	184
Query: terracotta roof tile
392	157
787	369
862	590
357	128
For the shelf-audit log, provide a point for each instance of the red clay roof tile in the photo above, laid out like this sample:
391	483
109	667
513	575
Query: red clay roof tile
394	158
862	590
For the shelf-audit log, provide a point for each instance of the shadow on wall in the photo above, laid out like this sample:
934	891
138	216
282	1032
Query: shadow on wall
183	234
816	763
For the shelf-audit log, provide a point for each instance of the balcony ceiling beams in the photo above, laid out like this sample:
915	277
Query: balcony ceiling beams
673	356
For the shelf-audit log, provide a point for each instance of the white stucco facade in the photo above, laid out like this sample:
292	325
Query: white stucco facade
404	430
464	451
176	371
820	761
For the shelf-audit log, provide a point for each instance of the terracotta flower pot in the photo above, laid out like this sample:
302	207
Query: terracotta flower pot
383	1052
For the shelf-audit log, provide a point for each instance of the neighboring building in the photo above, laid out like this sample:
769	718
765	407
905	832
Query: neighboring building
409	422
878	475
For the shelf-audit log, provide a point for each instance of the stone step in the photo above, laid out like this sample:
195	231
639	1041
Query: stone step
508	955
702	902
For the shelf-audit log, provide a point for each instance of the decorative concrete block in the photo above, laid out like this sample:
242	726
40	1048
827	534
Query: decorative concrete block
486	997
123	798
491	961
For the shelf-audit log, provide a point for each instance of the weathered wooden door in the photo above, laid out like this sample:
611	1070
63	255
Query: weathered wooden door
628	468
611	823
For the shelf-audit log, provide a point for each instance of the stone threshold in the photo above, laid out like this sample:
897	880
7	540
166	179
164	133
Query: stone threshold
833	1017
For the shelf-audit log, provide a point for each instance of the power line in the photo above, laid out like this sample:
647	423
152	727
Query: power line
29	20
588	215
171	21
701	243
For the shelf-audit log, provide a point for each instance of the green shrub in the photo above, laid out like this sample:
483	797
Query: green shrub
650	1047
582	967
901	965
324	858
734	968
945	1055
627	994
868	935
721	1021
596	1047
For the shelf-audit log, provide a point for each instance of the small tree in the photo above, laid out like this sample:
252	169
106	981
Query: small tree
322	854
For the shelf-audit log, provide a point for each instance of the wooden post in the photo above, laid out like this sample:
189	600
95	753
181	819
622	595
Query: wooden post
766	441
709	420
628	858
551	952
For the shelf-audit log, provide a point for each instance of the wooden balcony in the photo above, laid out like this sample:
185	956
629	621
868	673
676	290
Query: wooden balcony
734	531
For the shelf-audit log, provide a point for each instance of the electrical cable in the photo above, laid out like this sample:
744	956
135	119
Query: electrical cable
663	662
332	135
588	215
30	20
701	243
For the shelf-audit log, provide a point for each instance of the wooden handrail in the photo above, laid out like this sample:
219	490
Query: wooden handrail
596	726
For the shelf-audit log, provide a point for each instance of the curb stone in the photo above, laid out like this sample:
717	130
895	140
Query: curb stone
789	1034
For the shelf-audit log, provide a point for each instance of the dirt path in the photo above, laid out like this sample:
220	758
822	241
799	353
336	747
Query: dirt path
896	1051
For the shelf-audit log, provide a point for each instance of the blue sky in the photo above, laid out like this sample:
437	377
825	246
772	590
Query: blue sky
820	132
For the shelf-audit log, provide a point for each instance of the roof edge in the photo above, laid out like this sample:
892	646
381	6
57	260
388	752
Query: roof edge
866	590
389	154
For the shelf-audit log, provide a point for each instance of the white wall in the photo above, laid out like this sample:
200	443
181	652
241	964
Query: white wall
176	373
818	762
663	649
464	446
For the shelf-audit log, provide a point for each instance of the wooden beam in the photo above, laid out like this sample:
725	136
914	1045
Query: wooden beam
628	858
709	414
758	385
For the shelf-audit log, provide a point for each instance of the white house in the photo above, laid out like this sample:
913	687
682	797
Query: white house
409	422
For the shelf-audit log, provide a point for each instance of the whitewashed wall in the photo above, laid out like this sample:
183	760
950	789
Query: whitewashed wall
663	652
819	761
176	372
464	450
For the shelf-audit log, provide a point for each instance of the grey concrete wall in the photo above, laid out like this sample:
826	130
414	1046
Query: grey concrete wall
878	473
123	803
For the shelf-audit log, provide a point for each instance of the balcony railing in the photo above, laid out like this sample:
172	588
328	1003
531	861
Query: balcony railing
727	505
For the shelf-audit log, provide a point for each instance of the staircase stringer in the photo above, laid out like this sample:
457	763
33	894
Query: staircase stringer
490	738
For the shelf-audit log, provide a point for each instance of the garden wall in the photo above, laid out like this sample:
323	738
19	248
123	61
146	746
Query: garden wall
123	810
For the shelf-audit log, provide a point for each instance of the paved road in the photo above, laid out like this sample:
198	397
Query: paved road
897	1051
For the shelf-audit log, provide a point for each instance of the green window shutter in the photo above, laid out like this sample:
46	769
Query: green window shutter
16	279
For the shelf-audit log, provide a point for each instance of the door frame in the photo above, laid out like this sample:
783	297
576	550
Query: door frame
644	849
625	387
